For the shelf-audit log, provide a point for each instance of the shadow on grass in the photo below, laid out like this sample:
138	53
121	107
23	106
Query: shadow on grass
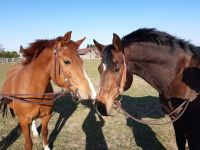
143	107
10	138
65	107
92	127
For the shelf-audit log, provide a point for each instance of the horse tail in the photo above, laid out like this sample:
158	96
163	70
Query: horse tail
4	108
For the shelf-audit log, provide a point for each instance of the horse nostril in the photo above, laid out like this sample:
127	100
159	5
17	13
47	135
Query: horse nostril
101	108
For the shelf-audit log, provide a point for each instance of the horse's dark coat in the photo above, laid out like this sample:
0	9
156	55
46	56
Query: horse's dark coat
172	66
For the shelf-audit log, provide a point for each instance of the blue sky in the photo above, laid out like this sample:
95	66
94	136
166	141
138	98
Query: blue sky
23	21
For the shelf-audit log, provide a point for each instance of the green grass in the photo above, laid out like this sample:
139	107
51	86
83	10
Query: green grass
3	72
78	127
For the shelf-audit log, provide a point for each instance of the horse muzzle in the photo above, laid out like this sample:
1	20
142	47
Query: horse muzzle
100	108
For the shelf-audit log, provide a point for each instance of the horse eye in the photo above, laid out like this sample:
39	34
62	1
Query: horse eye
67	62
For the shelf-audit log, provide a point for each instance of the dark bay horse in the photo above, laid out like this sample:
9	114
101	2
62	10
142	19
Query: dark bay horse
45	60
169	64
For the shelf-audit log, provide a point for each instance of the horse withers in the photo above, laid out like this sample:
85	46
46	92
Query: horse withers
169	64
45	60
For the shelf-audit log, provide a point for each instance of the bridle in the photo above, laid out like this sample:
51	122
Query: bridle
25	98
56	60
66	78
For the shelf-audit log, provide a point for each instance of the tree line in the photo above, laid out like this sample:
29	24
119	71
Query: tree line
8	54
90	45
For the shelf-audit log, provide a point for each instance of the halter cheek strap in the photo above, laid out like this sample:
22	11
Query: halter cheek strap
67	81
123	79
60	69
55	58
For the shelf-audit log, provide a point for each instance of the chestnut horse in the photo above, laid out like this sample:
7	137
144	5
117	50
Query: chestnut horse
45	60
169	64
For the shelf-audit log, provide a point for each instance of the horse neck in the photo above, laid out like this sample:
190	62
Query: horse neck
39	70
152	63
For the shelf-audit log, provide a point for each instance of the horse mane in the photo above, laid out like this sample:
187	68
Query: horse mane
157	37
34	50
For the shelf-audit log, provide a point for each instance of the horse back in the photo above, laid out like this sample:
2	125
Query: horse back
9	81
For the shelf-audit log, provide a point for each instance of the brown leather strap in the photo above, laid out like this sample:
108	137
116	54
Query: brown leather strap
33	100
145	122
34	94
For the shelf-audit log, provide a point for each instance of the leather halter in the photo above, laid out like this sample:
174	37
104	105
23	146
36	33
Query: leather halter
66	79
183	107
56	60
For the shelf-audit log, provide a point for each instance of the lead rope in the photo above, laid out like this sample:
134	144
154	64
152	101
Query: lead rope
27	100
145	122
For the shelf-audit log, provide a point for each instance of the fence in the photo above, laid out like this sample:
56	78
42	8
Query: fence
10	60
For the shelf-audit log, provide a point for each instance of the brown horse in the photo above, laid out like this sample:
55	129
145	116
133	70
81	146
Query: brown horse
45	60
169	64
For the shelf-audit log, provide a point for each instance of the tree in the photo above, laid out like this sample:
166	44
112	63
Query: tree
14	54
7	54
90	45
2	54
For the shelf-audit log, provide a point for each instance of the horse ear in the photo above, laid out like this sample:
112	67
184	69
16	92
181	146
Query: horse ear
79	42
67	36
117	42
99	46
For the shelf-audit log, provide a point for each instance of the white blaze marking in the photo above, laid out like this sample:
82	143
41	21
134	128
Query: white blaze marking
99	89
104	67
46	147
93	96
34	128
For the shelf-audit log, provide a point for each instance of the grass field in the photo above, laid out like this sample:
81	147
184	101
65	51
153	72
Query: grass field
78	127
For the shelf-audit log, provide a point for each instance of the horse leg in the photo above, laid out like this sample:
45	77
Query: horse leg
194	135
193	142
180	136
26	131
34	128
44	131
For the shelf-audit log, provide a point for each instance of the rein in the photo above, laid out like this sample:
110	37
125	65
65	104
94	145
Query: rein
185	104
21	98
48	101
